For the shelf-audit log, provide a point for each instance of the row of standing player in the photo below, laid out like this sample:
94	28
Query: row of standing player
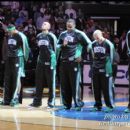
68	49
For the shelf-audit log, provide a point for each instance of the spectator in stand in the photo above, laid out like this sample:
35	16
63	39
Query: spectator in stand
24	12
8	14
43	8
30	28
34	7
80	13
117	57
70	10
12	20
53	23
36	14
47	15
14	13
80	22
39	22
14	5
106	34
48	6
60	25
90	28
122	48
30	31
20	20
20	28
116	41
65	17
60	10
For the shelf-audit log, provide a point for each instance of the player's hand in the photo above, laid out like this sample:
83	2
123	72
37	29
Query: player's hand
79	59
65	42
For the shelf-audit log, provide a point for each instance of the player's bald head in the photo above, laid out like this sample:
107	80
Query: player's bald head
97	34
46	26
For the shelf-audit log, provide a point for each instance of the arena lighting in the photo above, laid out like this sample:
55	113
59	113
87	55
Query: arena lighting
69	2
104	17
115	27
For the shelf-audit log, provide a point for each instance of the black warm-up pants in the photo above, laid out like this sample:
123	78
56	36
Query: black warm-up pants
102	84
44	78
69	78
12	80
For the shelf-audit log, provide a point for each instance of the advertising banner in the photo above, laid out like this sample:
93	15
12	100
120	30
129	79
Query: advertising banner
121	78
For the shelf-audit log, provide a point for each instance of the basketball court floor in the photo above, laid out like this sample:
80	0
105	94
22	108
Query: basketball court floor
24	117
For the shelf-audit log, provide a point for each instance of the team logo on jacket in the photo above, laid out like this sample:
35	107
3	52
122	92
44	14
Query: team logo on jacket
43	42
99	50
12	42
69	38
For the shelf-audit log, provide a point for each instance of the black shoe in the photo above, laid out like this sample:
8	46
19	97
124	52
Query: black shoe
4	103
34	105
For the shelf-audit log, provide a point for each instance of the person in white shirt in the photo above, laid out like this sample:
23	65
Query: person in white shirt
43	9
14	5
39	22
70	11
30	28
24	11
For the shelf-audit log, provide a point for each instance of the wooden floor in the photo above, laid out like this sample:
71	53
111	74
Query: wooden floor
26	118
22	126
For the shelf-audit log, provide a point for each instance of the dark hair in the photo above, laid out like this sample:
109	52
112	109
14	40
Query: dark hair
71	21
115	36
